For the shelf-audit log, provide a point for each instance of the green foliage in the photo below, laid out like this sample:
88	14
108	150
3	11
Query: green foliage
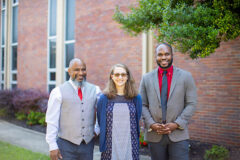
216	153
141	139
21	116
3	112
36	118
195	28
10	152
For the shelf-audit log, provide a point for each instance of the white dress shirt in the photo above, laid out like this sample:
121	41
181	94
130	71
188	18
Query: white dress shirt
53	115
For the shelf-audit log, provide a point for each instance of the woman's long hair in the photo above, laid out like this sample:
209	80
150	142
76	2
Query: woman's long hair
130	90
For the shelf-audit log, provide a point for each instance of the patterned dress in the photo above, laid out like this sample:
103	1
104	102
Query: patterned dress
121	130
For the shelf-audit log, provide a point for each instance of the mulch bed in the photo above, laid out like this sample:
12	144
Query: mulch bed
197	149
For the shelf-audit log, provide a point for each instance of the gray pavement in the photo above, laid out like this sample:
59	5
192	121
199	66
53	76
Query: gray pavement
32	140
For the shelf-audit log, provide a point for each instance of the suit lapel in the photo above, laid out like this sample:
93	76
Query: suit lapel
174	80
156	84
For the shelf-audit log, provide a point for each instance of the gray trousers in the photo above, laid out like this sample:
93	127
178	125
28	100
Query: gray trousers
70	151
168	150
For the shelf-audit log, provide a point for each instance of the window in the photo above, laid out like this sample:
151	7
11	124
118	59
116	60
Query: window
3	40
69	33
14	44
52	44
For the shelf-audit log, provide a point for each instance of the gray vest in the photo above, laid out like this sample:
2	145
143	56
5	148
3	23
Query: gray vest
77	117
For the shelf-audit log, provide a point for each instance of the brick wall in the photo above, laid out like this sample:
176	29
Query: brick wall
32	44
101	42
218	81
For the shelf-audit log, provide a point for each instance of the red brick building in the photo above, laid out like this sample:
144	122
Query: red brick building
39	37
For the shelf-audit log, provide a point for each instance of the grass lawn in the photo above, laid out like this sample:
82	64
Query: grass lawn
11	152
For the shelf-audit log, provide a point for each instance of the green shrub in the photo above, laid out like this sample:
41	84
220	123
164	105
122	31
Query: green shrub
42	120
3	112
21	116
35	118
216	153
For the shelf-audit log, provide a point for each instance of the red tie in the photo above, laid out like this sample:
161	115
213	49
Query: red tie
80	93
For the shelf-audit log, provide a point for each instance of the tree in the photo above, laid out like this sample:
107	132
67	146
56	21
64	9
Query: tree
194	27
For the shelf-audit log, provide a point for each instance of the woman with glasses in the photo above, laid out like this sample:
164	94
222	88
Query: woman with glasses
118	111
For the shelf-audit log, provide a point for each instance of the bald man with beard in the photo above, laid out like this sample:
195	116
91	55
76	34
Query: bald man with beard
71	116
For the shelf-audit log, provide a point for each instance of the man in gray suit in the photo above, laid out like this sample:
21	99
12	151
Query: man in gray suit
70	116
169	100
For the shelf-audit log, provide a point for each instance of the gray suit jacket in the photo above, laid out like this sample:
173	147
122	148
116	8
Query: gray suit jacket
180	106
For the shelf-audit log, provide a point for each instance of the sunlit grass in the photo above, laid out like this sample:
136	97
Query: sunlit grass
11	152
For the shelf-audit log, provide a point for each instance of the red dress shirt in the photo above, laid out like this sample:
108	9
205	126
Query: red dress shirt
169	78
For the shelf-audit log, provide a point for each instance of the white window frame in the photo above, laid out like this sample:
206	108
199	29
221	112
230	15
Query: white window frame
50	70
3	46
66	41
13	82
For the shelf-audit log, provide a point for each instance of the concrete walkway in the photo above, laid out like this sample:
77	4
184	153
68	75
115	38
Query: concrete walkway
33	140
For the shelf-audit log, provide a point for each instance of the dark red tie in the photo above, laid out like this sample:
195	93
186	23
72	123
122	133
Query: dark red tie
80	93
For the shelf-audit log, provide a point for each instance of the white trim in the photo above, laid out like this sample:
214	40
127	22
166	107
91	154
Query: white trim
69	41
14	71
14	44
7	62
52	37
15	5
144	53
60	42
64	37
52	69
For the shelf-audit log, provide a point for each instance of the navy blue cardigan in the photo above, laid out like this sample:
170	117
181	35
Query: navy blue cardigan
101	117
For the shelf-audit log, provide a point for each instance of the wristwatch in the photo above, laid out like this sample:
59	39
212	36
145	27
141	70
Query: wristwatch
150	130
178	126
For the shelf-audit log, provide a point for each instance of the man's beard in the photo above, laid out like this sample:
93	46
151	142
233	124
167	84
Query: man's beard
169	65
79	84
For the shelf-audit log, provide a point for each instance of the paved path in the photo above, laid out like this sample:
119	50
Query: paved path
33	140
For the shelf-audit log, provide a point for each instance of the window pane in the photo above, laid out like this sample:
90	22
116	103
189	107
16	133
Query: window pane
14	77
52	53
53	13
2	77
3	4
52	76
70	19
2	68
15	1
14	25
14	58
2	86
67	76
51	87
3	28
69	53
14	86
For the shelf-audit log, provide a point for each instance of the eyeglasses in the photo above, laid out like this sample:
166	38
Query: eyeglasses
120	74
